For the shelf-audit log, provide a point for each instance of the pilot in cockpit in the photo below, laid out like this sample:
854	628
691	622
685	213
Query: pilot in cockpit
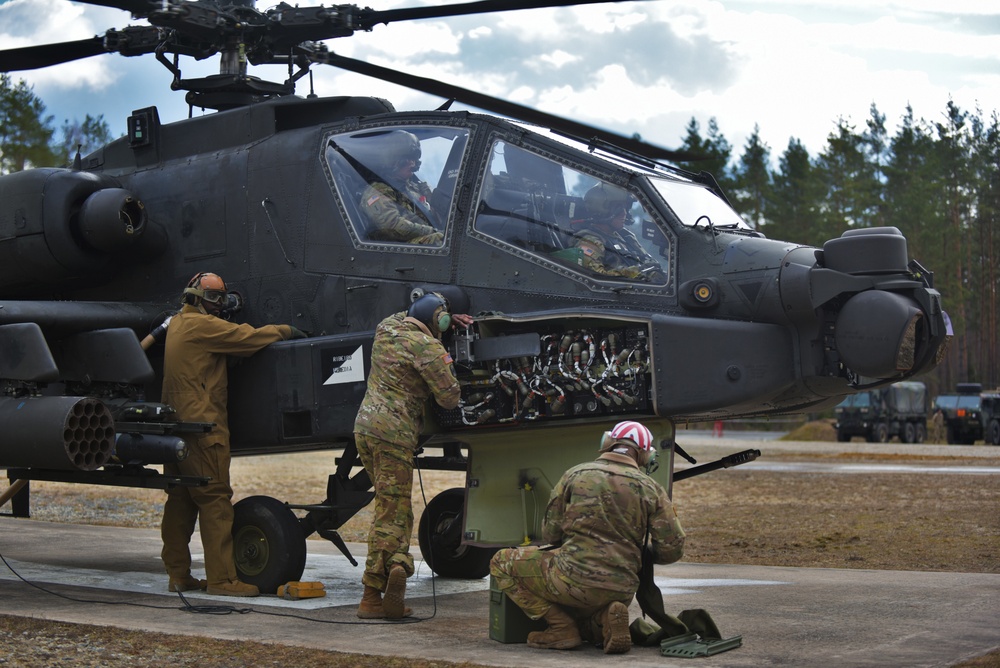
602	243
398	204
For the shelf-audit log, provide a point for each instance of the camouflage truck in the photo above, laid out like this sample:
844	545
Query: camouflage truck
899	410
970	414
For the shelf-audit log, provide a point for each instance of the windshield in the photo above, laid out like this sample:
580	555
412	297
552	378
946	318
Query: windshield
397	184
555	212
694	204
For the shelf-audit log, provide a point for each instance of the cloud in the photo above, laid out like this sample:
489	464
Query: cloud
647	67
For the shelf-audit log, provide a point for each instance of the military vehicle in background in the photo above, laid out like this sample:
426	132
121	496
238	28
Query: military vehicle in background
970	414
899	410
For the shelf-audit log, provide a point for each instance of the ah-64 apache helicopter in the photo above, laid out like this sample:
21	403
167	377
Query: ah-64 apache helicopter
716	321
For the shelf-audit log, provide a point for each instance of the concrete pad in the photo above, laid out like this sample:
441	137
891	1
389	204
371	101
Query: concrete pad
113	576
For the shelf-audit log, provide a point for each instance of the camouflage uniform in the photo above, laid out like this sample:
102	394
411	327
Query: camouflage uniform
195	384
408	366
611	253
400	215
598	515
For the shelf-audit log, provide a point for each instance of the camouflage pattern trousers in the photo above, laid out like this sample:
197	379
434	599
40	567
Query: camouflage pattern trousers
390	466
532	579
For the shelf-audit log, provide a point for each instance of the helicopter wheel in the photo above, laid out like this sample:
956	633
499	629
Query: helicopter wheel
440	536
268	543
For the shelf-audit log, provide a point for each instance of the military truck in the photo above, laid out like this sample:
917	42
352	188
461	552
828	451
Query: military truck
899	410
970	414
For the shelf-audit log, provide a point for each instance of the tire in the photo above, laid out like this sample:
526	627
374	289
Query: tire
440	537
882	433
993	433
950	435
921	433
909	433
842	437
268	543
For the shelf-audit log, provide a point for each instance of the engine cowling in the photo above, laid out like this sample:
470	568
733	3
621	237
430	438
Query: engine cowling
66	224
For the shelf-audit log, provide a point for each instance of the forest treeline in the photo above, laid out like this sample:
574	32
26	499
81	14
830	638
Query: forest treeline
938	181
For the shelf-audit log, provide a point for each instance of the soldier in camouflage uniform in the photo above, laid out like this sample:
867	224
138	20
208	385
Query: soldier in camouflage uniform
409	364
604	246
598	517
399	209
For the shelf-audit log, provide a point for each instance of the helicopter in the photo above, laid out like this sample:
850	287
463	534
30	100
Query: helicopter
713	320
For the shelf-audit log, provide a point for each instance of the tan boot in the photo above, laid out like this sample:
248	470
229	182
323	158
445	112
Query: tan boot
187	583
614	626
561	634
371	604
233	588
395	592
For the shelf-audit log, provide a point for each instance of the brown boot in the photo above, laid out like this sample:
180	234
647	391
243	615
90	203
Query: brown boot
187	583
561	634
395	592
614	626
233	588
371	604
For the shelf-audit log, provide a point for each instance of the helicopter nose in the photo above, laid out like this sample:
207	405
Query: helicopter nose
876	333
892	324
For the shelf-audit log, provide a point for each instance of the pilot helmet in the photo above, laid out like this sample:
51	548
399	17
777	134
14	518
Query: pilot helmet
398	147
631	434
605	201
432	310
206	287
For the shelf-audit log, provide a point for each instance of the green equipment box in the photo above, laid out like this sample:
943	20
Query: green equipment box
508	623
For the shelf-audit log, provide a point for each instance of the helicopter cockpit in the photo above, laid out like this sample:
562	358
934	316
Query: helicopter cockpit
397	184
531	202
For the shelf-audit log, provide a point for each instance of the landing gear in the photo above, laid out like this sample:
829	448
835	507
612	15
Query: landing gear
440	536
268	543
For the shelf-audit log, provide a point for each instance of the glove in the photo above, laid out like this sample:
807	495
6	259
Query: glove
297	333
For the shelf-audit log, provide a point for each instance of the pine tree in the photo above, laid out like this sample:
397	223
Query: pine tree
793	204
752	179
25	131
86	137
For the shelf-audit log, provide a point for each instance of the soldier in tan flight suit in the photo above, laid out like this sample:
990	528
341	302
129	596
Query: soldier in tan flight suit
195	384
399	207
409	365
598	517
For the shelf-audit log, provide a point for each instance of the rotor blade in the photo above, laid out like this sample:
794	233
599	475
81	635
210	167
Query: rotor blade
34	57
371	18
138	8
495	105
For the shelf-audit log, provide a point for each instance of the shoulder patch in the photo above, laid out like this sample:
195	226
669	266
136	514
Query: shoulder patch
447	358
373	199
587	250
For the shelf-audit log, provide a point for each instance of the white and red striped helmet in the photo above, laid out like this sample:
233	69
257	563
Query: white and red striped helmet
635	432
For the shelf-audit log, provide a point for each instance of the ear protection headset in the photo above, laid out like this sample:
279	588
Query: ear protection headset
207	286
635	435
432	310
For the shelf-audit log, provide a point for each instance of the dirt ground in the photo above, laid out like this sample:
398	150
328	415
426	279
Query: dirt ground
883	521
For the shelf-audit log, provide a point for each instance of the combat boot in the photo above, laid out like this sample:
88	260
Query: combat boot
186	583
561	634
614	627
393	602
371	604
233	588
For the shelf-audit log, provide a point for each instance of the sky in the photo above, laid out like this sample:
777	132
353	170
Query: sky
790	68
